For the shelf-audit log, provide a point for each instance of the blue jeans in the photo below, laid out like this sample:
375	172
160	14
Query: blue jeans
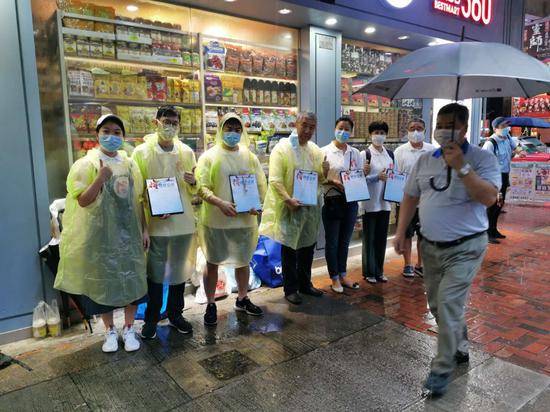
338	231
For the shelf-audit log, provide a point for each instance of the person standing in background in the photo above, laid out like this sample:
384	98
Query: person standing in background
406	157
285	219
339	216
172	253
377	211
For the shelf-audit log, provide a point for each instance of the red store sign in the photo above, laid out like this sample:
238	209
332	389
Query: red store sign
479	11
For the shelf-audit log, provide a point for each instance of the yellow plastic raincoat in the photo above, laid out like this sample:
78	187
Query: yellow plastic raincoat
101	248
172	254
300	228
230	241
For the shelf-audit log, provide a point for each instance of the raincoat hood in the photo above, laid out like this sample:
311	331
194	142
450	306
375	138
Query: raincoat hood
245	140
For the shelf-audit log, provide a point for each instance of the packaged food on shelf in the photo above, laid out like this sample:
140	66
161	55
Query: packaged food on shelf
83	46
255	120
195	59
78	24
269	65
260	92
187	60
293	95
156	88
287	96
215	56
137	120
196	126
274	87
78	118
253	91
186	122
232	56
104	12
108	49
134	49
257	63
245	61
96	48
245	117
232	89
291	67
124	113
141	87
268	120
212	88
115	86
345	97
77	7
173	90
280	66
69	45
195	91
261	141
267	93
185	87
101	83
104	27
291	120
211	118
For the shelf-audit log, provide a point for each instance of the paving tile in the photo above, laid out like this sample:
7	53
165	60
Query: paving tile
59	394
539	403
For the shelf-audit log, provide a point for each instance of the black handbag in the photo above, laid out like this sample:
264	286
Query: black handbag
335	206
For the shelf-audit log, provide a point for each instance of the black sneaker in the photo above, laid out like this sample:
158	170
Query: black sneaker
149	331
419	270
498	235
436	384
245	305
462	357
181	325
211	315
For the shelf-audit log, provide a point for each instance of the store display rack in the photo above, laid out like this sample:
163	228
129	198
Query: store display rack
106	101
153	65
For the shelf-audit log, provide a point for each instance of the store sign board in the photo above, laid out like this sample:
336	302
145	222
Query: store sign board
536	40
478	11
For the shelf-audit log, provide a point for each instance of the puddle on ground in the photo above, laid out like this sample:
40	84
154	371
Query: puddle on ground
228	365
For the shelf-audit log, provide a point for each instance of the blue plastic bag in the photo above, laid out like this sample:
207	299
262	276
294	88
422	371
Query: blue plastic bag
140	313
266	262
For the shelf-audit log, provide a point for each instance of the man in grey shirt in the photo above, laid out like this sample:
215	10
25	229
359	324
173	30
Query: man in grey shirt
453	224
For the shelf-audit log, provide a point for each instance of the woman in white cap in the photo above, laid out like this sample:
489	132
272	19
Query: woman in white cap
103	240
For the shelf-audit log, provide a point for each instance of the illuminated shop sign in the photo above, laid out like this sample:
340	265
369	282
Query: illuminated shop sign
479	11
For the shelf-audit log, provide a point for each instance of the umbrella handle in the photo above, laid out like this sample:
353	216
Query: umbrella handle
441	189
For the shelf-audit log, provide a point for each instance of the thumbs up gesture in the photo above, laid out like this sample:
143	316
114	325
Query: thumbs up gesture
104	172
326	167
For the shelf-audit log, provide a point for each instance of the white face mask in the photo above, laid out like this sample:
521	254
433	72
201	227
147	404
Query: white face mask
167	132
378	139
415	136
446	136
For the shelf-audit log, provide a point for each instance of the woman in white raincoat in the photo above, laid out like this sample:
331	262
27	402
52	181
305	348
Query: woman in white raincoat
226	237
172	253
103	240
285	219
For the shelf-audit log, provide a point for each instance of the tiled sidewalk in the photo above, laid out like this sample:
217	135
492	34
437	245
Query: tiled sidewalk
509	310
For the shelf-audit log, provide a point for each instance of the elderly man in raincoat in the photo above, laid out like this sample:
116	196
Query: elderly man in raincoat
172	252
226	237
285	219
102	251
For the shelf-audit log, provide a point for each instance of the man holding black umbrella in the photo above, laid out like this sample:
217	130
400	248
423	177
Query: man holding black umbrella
452	186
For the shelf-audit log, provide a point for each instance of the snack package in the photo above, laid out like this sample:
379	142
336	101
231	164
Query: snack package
101	85
156	88
232	58
261	143
69	45
186	121
83	46
257	63
280	66
213	88
215	56
291	67
141	87
53	319
255	121
78	118
195	91
86	83
78	24
291	120
171	84
115	86
245	117
268	121
104	27
104	12
96	48
245	62
344	97
232	89
269	65
196	125
124	113
39	329
281	124
211	118
92	112
186	56
185	90
195	60
129	85
74	82
108	49
137	120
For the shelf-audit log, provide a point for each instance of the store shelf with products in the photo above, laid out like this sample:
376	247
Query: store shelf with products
109	101
129	64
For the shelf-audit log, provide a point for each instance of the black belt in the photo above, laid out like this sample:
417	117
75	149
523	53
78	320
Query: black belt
446	245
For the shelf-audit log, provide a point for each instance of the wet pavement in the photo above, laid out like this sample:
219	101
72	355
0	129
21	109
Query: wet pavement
365	350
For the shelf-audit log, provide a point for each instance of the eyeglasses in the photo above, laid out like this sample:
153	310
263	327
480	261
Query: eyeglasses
167	122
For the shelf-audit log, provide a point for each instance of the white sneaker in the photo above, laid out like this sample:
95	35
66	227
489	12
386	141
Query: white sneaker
111	341
129	337
370	279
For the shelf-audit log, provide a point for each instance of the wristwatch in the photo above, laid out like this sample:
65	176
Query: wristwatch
464	170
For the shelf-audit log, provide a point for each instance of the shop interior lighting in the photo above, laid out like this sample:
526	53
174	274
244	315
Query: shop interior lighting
405	37
285	11
437	42
229	1
132	8
288	36
331	21
370	30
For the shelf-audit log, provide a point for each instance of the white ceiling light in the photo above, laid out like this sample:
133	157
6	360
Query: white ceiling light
405	37
370	30
288	36
331	21
437	42
399	4
132	8
285	11
229	1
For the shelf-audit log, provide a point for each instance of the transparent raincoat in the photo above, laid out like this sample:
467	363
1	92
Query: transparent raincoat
101	248
172	254
300	228
230	241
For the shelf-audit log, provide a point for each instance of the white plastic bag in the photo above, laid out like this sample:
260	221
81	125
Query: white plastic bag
39	329
223	289
53	319
200	266
254	281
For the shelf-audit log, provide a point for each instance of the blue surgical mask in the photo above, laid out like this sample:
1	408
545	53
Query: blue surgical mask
231	139
293	138
110	142
342	135
506	131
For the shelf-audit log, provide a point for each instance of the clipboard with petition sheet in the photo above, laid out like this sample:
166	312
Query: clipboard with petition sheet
164	196
244	190
355	185
394	188
306	186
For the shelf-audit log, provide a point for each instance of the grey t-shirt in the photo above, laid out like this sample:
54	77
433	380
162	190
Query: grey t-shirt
451	214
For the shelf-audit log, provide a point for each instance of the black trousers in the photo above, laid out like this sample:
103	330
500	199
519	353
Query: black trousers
175	304
297	268
375	236
493	212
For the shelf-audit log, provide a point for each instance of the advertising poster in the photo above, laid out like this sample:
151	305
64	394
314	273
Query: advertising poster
542	183
521	182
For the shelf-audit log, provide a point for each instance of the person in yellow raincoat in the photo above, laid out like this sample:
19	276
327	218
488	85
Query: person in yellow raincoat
285	219
172	252
226	237
104	236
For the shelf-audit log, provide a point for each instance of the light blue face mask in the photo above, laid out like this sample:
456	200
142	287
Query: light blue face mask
506	131
293	138
342	135
231	139
110	142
